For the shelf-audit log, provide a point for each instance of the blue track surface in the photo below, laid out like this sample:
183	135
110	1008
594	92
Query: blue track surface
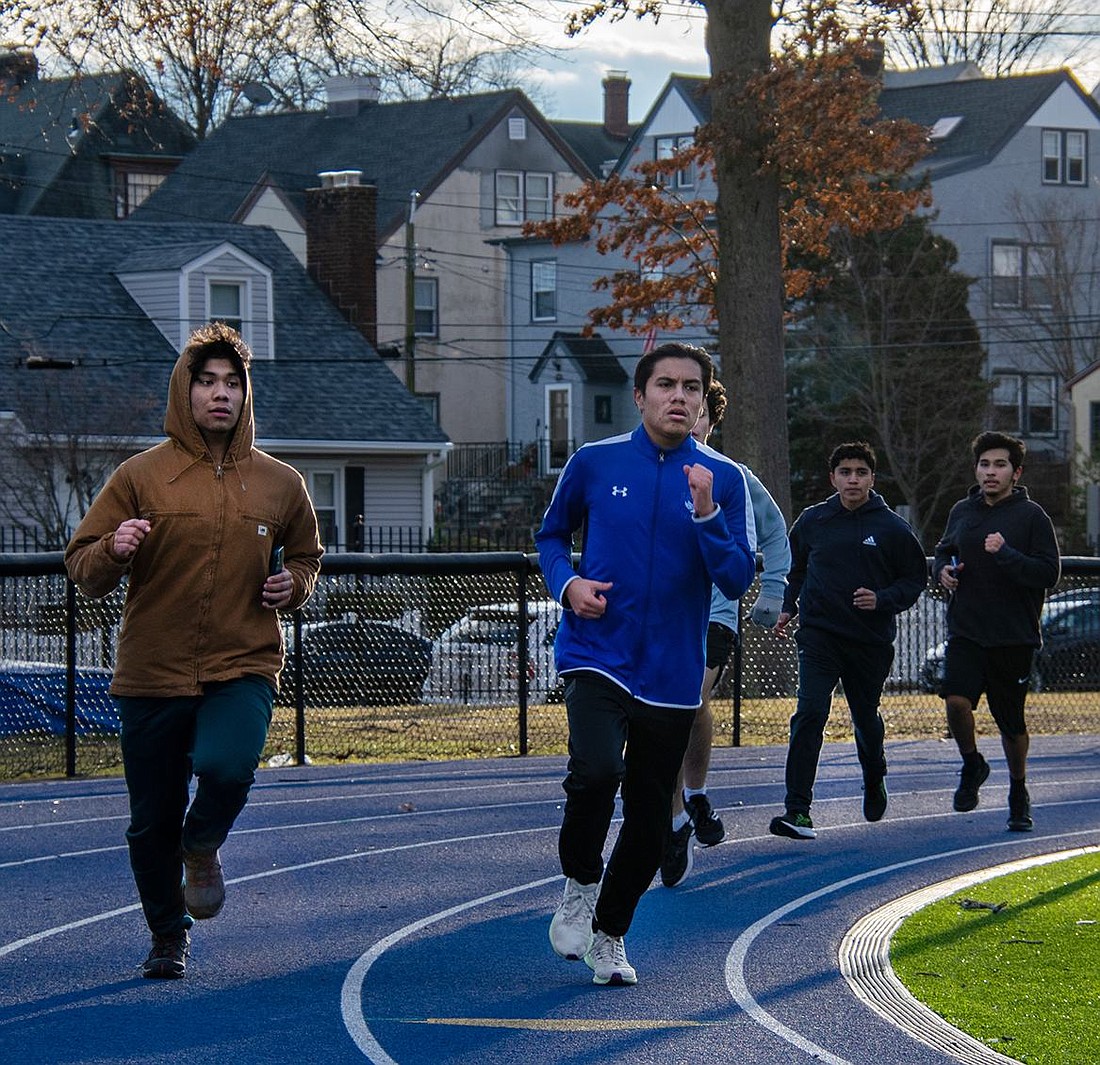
400	913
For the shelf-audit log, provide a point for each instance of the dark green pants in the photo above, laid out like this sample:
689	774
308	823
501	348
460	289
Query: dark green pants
218	737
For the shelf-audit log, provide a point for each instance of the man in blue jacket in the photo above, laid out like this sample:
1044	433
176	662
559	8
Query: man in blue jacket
855	566
662	520
997	557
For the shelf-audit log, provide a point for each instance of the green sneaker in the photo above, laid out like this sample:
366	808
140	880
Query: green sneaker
793	826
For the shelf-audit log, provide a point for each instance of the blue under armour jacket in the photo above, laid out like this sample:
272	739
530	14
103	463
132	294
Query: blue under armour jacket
631	499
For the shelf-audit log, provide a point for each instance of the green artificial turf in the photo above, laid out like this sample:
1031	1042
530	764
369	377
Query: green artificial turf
1024	980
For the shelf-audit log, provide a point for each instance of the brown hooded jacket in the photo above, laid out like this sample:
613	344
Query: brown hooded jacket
193	610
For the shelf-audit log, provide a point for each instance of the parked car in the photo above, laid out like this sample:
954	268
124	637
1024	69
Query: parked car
1069	659
476	660
354	662
32	699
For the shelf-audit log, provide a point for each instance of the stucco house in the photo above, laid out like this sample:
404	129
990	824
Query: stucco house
1013	173
450	175
91	324
564	389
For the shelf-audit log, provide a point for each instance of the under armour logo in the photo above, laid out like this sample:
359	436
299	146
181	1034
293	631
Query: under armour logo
870	542
618	490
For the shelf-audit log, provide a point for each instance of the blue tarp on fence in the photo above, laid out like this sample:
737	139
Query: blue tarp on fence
32	700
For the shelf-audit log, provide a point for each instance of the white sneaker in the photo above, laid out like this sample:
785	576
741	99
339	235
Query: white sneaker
607	960
571	927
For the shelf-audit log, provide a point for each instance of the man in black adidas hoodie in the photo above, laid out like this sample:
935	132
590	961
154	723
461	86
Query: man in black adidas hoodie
997	557
855	565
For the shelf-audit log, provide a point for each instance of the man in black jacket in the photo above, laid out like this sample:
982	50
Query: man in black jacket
997	557
855	565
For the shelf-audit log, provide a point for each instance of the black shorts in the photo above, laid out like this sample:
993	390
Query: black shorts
1002	673
721	640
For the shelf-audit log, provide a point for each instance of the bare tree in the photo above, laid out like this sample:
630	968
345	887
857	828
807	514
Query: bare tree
999	36
51	464
1057	311
210	60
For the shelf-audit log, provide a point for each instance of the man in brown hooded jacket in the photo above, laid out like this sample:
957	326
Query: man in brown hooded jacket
194	524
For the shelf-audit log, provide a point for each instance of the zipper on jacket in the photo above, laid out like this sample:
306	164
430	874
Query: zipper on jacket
639	644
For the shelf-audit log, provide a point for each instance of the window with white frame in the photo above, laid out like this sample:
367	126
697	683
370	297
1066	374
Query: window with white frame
1065	152
667	147
538	196
544	290
523	196
1025	403
426	307
324	492
1022	275
226	303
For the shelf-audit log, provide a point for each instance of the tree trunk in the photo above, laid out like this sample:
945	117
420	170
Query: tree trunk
749	294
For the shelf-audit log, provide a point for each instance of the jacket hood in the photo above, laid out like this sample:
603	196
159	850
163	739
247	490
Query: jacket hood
874	502
179	422
1019	493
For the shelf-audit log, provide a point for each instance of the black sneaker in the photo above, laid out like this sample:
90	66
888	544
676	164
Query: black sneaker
679	856
168	957
708	826
793	826
874	798
971	778
1019	812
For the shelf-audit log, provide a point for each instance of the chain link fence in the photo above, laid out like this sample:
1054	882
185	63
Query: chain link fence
420	656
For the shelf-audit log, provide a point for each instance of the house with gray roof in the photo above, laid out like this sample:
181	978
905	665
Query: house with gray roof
451	176
1014	171
86	147
94	318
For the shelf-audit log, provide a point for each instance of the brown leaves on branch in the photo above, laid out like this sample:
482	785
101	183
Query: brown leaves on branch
841	167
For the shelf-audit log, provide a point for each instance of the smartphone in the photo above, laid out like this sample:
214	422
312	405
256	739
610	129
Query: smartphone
276	561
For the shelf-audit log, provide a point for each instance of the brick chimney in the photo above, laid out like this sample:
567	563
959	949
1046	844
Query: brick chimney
616	104
342	245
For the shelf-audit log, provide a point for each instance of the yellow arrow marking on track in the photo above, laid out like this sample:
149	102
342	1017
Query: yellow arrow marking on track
544	1024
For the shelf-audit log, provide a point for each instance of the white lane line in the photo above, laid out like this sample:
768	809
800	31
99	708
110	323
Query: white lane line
46	933
735	960
351	995
865	962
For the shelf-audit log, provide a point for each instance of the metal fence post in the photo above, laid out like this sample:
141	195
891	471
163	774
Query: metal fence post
522	572
299	694
70	678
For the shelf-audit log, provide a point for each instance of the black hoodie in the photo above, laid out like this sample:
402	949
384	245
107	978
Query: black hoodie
834	551
1000	594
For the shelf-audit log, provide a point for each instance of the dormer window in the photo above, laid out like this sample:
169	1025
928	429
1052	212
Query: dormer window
226	300
1064	157
135	184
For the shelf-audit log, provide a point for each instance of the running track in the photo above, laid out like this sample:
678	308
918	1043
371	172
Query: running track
399	913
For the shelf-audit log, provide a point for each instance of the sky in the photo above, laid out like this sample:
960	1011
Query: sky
571	85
